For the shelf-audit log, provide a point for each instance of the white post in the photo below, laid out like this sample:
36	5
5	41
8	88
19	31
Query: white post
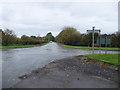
93	28
106	45
100	42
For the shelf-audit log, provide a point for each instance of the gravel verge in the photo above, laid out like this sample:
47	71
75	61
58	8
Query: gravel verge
70	72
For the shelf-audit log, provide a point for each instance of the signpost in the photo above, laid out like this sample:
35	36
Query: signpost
105	41
100	40
93	31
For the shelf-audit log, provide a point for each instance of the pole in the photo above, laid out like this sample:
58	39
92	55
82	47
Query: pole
106	45
93	31
100	42
93	28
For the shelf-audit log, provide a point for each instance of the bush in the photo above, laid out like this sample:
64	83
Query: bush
69	36
8	37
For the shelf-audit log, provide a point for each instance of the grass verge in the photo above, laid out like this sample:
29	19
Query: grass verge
85	47
20	46
111	59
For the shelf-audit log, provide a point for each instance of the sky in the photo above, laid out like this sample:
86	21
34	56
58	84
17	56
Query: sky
39	18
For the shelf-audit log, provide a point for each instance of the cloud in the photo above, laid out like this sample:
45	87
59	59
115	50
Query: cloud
32	18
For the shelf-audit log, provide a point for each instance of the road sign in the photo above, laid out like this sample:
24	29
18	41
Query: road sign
93	31
104	40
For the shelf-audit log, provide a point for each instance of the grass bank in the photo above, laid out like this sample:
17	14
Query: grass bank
85	47
20	46
111	59
108	58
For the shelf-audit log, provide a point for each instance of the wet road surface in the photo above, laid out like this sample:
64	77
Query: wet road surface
17	62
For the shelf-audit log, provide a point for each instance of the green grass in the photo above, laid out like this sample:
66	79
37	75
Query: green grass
16	46
85	47
20	46
108	58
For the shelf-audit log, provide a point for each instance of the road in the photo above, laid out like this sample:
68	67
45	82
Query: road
17	62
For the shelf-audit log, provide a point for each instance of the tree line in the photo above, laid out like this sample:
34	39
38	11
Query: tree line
10	38
70	36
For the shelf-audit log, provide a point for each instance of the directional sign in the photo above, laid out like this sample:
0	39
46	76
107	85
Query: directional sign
103	40
109	40
95	31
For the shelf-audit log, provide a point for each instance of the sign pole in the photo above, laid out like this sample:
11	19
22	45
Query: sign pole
93	28
106	45
93	31
99	42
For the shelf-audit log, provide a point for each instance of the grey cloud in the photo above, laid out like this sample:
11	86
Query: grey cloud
39	18
119	16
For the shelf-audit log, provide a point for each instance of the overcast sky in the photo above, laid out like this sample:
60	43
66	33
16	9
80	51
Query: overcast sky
39	18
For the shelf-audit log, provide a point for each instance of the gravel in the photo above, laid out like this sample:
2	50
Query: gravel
70	73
